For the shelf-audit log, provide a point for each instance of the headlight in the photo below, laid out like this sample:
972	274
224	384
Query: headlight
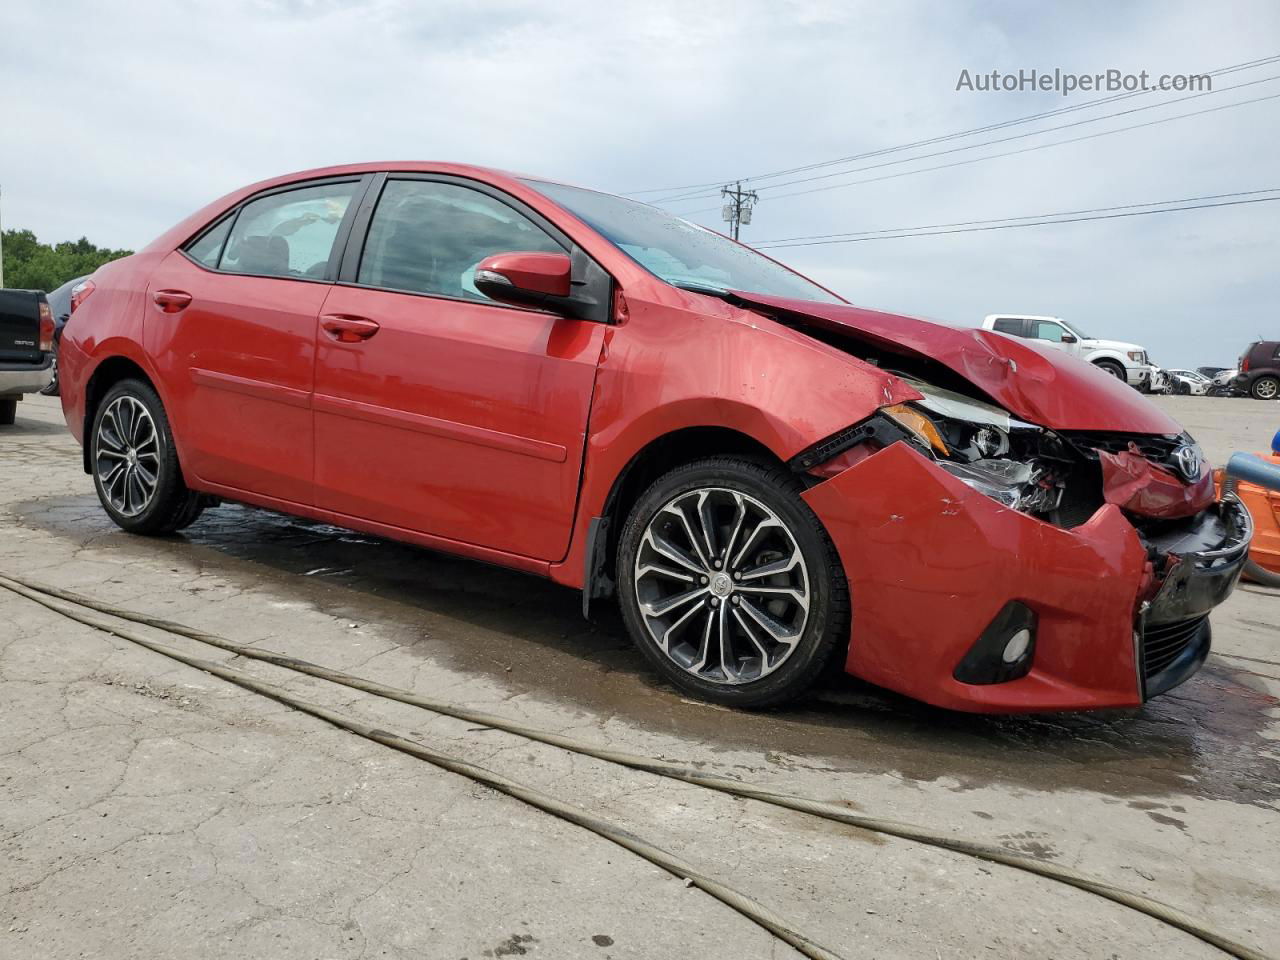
1136	356
918	425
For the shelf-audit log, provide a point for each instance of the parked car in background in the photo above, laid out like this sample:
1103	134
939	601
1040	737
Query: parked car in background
1212	372
1159	382
26	347
60	304
1259	374
1124	361
1223	384
1189	383
769	479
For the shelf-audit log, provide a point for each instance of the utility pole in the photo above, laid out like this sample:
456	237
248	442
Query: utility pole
737	210
1	241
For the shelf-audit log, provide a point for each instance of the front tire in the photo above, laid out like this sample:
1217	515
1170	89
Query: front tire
1113	368
135	463
1265	388
729	584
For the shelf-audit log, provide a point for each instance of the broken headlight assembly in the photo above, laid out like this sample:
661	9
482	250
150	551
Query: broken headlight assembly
979	444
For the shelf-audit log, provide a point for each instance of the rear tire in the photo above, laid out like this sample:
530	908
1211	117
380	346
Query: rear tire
1265	388
135	464
8	410
768	603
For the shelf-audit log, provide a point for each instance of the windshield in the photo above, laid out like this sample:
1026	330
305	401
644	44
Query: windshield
677	251
1078	332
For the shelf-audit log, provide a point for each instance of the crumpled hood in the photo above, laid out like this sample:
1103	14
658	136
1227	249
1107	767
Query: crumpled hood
1045	387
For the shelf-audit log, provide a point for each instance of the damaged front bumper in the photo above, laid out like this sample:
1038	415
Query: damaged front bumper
933	565
1205	560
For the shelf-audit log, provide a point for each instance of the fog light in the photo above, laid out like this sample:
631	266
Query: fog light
1006	649
1017	646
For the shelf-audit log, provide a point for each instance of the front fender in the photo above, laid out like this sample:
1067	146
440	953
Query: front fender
668	370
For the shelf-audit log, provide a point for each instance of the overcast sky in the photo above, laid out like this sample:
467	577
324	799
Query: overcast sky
117	119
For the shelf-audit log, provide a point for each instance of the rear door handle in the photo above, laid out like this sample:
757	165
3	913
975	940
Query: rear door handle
347	329
171	301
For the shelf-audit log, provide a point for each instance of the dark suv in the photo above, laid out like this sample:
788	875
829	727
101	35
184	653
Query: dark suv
1260	370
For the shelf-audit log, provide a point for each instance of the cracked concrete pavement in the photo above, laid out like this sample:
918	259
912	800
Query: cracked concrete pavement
149	809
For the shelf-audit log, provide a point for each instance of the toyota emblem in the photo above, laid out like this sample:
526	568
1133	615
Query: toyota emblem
1188	460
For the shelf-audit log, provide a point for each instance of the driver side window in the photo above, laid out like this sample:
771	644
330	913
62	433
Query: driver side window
1047	330
429	237
287	234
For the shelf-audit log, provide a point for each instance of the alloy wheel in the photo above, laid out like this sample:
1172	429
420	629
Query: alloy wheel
127	456
1266	388
722	586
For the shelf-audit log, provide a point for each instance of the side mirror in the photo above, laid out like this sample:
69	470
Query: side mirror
525	279
1069	338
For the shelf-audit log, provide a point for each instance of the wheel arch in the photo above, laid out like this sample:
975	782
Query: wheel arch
110	371
660	455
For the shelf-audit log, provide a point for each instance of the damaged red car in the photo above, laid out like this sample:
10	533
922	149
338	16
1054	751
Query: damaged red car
583	387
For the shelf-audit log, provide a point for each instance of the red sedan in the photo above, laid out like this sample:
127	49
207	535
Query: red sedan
589	389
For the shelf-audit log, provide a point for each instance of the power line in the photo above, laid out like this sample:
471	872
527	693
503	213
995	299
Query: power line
1010	153
1039	223
760	244
1233	68
989	143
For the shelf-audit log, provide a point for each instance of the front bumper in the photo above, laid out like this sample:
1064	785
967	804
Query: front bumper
931	563
1139	375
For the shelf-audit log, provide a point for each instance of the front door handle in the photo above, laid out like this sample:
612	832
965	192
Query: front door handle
347	329
171	301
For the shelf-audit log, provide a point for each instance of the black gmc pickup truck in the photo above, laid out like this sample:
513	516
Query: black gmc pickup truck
26	347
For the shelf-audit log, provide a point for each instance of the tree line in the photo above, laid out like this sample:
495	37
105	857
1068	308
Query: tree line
32	265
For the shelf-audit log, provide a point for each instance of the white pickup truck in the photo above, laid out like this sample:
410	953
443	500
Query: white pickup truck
1125	361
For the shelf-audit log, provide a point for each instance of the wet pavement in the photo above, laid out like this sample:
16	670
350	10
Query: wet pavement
1172	799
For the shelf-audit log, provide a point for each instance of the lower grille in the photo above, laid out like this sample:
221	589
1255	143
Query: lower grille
1163	642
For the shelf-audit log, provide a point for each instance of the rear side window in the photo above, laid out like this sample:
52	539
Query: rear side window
287	234
208	246
428	237
1006	325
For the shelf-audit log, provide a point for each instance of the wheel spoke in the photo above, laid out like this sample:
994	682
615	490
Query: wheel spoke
679	513
666	636
740	514
750	633
795	593
770	626
667	572
704	648
768	523
672	552
728	662
775	567
707	520
663	607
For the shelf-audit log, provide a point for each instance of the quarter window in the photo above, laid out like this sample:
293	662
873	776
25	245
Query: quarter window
288	234
208	246
429	237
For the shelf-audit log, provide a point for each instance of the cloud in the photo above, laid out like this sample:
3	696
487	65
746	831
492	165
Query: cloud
118	120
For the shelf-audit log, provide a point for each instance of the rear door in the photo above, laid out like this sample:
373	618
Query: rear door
450	414
231	323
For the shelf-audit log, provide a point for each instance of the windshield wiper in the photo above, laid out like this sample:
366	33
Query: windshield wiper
694	287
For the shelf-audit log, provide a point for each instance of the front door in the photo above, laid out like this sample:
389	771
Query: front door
231	322
438	410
